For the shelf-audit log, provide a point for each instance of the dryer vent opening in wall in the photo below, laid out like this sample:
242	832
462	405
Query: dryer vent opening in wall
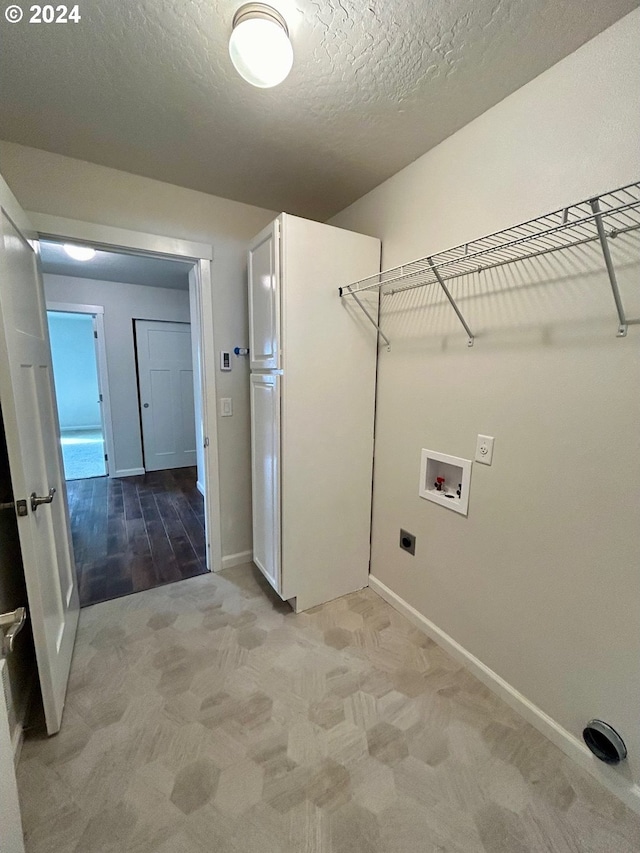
604	742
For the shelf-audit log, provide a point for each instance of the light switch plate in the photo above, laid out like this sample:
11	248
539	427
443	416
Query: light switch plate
484	449
226	407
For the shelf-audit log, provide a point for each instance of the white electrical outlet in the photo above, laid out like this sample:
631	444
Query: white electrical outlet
484	449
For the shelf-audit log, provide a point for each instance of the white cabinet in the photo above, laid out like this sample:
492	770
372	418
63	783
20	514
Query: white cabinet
264	299
265	472
313	366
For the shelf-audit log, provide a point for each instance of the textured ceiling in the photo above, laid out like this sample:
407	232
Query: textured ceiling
115	266
148	87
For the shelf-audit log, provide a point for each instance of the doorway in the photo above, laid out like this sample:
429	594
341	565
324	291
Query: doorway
145	524
74	340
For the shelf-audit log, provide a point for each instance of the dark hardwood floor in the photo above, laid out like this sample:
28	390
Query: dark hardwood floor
136	533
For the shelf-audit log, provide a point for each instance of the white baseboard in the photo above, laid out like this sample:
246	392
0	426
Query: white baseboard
200	488
623	788
128	472
238	559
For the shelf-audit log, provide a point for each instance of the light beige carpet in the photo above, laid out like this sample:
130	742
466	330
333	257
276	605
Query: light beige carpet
206	716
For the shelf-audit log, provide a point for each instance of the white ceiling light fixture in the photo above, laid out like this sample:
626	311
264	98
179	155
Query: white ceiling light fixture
259	45
79	253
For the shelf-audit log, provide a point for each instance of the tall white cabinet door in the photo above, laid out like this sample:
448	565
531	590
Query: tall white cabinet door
265	472
264	299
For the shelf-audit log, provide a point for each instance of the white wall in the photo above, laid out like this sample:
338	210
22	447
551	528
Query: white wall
75	369
61	186
540	582
123	303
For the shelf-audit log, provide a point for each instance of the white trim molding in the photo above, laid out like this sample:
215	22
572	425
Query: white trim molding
622	788
109	237
238	559
97	311
129	472
204	295
75	308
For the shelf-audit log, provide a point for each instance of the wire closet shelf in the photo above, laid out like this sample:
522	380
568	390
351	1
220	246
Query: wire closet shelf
600	218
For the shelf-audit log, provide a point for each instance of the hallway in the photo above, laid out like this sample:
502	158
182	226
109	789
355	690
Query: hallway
136	533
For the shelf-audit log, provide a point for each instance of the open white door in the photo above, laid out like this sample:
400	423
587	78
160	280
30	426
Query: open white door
32	431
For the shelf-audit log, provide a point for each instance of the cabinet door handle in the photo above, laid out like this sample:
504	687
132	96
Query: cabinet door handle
36	501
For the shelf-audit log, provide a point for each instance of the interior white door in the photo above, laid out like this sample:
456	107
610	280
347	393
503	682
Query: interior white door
35	460
264	299
265	473
11	840
165	374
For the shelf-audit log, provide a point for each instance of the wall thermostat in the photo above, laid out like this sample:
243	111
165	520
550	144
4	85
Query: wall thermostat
225	360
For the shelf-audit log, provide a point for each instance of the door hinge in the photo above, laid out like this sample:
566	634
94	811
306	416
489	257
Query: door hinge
106	457
95	334
100	400
206	441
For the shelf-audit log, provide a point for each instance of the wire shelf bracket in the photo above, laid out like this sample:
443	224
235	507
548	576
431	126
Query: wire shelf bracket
470	337
600	218
613	281
369	318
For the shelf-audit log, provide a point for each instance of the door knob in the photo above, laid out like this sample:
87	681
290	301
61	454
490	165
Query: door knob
36	501
14	621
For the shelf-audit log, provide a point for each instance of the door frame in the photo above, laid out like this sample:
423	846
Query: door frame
122	240
101	361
